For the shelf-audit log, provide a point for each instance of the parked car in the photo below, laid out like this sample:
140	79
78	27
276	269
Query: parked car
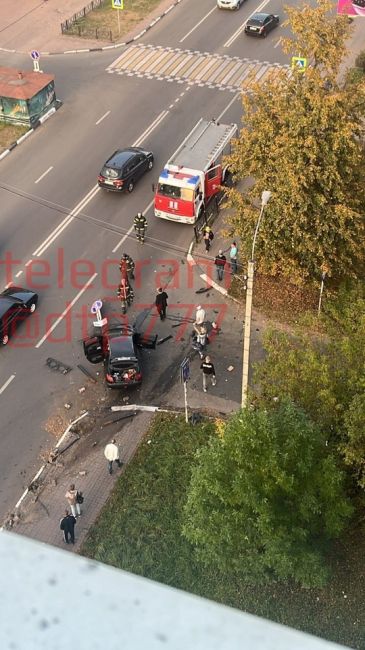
15	304
261	24
124	168
229	4
119	348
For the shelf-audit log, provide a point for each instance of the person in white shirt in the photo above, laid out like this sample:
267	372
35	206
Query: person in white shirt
200	315
111	453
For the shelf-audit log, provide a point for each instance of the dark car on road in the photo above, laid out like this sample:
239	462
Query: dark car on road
119	347
124	168
15	304
261	24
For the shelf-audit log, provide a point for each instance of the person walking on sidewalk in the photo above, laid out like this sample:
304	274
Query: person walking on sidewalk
220	262
67	525
140	226
208	237
161	302
200	315
233	257
111	453
72	496
208	371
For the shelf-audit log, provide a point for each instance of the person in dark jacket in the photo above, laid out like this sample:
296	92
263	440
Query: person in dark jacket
67	525
208	371
220	262
140	226
161	302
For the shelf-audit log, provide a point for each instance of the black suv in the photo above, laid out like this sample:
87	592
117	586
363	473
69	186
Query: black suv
123	169
15	304
118	346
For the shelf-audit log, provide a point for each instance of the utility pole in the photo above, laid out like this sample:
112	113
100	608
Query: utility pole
265	197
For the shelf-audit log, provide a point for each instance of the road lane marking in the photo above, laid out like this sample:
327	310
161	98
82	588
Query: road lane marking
66	221
278	42
242	27
102	118
197	25
4	386
151	128
65	311
19	273
131	229
228	106
43	175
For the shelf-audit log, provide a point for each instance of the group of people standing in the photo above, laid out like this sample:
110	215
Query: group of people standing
220	260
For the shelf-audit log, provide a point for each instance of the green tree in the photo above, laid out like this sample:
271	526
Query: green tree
324	375
301	139
266	498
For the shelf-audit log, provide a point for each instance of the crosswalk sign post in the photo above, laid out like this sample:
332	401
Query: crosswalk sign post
185	376
118	4
299	63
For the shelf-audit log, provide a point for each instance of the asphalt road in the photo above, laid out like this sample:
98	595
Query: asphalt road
55	171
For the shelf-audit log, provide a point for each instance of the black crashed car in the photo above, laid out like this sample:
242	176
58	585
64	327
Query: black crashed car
16	304
124	168
119	348
261	24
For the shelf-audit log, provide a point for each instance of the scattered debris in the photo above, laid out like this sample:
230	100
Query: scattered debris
166	338
82	389
230	368
67	406
121	417
83	472
204	290
87	373
53	364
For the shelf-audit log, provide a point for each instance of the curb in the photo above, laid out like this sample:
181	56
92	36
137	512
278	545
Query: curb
26	135
105	47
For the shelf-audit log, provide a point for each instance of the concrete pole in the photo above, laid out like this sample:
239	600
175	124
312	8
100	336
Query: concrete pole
247	334
265	198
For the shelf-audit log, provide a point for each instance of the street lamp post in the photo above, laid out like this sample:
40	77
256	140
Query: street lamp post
265	197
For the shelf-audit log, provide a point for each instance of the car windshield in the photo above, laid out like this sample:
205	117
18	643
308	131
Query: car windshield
176	192
109	172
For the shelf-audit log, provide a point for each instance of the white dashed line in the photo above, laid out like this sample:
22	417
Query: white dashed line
4	386
102	118
43	175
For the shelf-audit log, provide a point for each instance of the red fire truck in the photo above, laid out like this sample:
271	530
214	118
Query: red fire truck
194	173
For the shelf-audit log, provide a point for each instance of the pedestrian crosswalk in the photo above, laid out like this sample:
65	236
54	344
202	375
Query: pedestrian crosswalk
193	67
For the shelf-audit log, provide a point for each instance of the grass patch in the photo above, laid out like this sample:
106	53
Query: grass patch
102	23
9	133
139	530
277	298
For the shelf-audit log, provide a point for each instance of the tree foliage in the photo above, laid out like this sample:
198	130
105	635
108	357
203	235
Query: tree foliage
326	376
266	498
301	139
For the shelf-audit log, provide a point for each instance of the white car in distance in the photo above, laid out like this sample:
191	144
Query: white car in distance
229	4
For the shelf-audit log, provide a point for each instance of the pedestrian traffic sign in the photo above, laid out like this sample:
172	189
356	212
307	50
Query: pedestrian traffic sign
299	63
118	4
35	55
185	370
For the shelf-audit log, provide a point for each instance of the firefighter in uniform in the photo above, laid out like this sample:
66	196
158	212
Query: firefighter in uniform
127	264
140	226
125	292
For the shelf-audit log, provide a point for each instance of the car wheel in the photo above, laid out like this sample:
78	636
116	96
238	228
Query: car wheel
33	307
5	339
150	165
130	186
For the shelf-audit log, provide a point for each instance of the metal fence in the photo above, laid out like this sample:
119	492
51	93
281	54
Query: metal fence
67	25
